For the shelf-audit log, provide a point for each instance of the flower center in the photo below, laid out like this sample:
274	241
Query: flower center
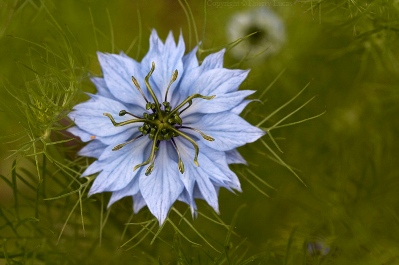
257	35
161	122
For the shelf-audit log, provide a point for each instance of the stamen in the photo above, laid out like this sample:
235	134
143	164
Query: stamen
116	124
119	146
180	164
189	101
146	80
189	105
205	136
191	141
137	85
153	150
150	168
174	77
124	112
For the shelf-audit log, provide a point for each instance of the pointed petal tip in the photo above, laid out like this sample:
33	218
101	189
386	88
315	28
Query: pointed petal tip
154	35
101	55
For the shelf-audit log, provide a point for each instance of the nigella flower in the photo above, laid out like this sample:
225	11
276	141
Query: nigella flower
165	129
269	36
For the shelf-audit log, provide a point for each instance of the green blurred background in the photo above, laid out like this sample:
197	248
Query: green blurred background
346	214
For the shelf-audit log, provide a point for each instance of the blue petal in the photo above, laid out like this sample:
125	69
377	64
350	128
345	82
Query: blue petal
208	192
118	138
214	60
228	129
102	89
198	194
189	199
93	149
219	161
219	104
117	171
161	189
218	81
138	202
233	184
239	108
190	64
89	117
118	71
209	161
167	58
83	135
188	182
131	189
234	157
109	153
190	60
94	167
212	165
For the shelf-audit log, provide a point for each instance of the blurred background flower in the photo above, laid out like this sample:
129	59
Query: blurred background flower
263	30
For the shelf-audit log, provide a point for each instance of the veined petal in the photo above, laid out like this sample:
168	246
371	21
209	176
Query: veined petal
219	104
214	60
93	149
189	199
188	182
89	116
190	64
131	189
167	58
118	71
102	89
200	176
117	138
198	194
234	157
93	168
240	107
212	82
219	81
208	192
117	171
138	202
210	163
228	129
108	152
83	135
195	79
162	188
190	60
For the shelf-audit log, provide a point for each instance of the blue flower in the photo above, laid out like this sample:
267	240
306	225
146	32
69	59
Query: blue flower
165	129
